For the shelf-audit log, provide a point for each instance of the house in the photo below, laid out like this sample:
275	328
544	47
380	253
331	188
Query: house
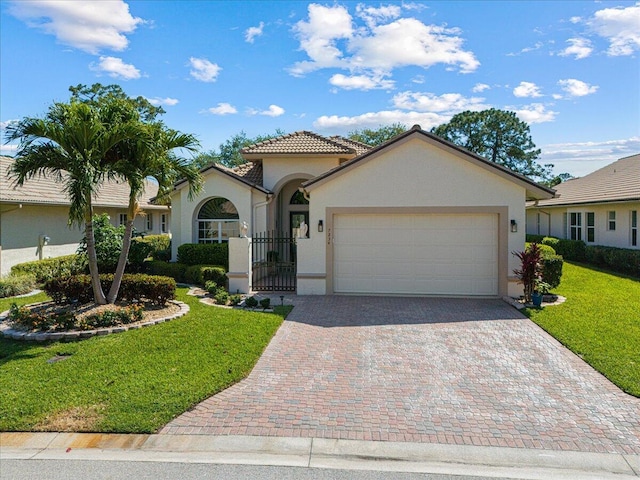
34	217
415	216
601	208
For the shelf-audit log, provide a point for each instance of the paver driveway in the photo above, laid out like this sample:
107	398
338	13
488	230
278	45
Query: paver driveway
457	371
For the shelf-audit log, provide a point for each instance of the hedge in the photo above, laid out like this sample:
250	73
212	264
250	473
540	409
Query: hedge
201	274
156	246
168	269
622	260
16	285
48	268
545	250
204	254
552	269
134	287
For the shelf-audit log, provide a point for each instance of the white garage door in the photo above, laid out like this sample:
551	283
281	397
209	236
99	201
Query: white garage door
416	254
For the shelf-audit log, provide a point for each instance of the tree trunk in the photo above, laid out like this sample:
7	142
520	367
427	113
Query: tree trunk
98	294
124	254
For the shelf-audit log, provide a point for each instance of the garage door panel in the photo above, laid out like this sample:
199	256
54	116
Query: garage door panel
416	254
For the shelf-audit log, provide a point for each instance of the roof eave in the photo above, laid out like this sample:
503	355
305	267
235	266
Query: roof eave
179	185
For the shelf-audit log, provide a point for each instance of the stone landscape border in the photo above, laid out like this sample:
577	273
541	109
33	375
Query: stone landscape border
13	334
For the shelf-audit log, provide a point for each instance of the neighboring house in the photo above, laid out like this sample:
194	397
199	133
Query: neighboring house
416	215
602	208
34	217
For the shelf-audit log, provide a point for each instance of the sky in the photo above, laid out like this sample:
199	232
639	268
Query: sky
570	69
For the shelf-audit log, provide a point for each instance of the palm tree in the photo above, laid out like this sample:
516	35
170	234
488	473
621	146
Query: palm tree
70	143
151	155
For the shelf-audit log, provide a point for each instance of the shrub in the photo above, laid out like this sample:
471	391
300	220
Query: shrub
156	246
622	260
530	269
134	287
221	296
235	299
167	269
111	318
138	253
569	249
530	238
265	303
545	250
48	268
251	302
200	274
17	285
25	318
211	287
552	270
108	239
204	254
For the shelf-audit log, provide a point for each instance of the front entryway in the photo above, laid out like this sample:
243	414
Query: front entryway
273	262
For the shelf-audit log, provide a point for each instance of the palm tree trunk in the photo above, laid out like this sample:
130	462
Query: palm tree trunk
124	254
98	294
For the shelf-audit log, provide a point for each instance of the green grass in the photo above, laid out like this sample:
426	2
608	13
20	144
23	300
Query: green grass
600	322
134	381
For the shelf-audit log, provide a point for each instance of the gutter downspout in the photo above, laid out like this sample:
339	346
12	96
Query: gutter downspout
270	197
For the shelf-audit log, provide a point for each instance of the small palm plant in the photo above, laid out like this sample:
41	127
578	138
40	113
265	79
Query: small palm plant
530	271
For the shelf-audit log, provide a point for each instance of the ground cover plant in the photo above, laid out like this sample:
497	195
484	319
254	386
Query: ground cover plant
599	322
134	381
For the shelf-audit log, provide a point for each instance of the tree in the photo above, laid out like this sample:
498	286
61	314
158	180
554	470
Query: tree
70	144
148	153
496	135
229	152
378	136
561	177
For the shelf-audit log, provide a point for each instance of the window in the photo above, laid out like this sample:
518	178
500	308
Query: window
538	223
591	227
163	223
565	224
149	222
634	228
218	221
575	226
122	219
612	220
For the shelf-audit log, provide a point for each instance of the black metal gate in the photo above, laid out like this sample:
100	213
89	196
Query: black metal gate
273	262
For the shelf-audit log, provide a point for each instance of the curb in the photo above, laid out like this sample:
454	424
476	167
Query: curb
322	453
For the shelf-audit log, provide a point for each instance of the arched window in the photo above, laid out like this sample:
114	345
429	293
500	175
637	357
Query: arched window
218	220
298	199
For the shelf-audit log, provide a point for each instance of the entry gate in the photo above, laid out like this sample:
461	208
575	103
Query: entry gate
273	262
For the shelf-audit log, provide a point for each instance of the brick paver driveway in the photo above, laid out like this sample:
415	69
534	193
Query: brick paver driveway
457	371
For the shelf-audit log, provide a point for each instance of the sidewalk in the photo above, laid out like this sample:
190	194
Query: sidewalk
323	453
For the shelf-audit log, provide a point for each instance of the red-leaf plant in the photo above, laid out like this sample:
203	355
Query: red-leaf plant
530	271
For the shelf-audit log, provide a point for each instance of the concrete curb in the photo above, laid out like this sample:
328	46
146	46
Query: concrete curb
323	453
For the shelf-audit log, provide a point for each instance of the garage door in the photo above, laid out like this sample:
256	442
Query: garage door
415	254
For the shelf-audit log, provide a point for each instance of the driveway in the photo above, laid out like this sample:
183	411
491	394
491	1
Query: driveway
433	370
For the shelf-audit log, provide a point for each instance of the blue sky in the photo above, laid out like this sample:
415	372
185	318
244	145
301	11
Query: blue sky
570	69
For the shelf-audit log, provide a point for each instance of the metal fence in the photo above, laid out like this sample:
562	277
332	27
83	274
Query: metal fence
274	262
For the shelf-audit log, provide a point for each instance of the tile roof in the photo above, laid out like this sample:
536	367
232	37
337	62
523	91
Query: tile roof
302	143
359	147
619	181
46	191
250	171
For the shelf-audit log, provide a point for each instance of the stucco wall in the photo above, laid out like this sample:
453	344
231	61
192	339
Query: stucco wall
413	174
554	217
275	169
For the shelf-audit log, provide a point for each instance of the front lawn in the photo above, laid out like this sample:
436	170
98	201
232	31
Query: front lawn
134	381
600	322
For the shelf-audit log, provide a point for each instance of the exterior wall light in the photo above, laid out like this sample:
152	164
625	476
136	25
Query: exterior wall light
320	226
514	226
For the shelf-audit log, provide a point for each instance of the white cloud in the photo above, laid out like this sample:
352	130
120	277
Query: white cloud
360	82
331	39
581	158
4	124
204	70
252	32
536	46
480	87
527	89
223	109
449	103
534	113
426	120
168	101
580	47
116	68
272	111
9	149
620	26
577	88
86	25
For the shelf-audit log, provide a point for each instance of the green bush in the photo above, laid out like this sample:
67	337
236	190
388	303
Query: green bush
552	270
622	260
200	274
211	287
530	238
235	299
17	285
156	246
251	302
112	318
138	253
545	250
108	240
167	269
221	296
265	303
48	268
204	254
134	287
569	249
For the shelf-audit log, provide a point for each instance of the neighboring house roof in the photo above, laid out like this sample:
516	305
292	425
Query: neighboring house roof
534	190
303	143
46	191
359	147
617	182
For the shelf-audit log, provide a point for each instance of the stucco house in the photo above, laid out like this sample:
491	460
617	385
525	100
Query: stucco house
601	208
414	216
33	218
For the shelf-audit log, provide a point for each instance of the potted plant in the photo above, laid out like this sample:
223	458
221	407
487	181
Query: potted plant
530	271
540	289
